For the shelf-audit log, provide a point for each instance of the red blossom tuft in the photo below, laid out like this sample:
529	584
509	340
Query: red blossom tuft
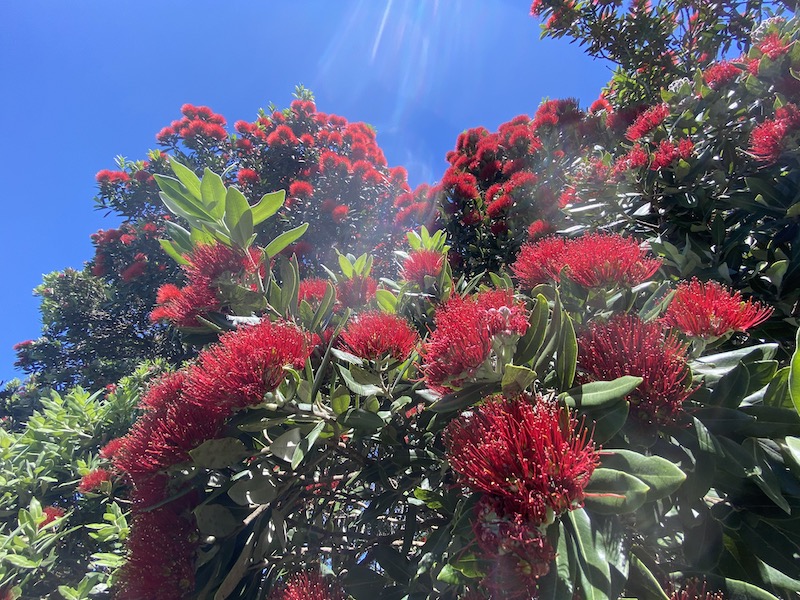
93	480
308	586
246	364
421	264
301	189
137	269
540	262
720	74
51	513
312	290
604	260
374	335
767	139
773	46
247	176
339	214
471	339
647	121
111	448
710	310
356	292
526	453
626	345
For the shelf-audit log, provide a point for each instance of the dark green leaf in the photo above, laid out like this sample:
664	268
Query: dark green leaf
529	344
216	520
566	360
396	565
463	398
731	388
216	454
614	492
794	374
285	445
257	487
661	475
600	393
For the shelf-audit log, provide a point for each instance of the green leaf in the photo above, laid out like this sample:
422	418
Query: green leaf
794	374
661	475
395	564
285	445
362	583
468	565
358	418
306	444
181	238
216	520
644	583
346	266
777	394
268	206
21	562
463	398
216	454
529	344
566	360
212	191
766	478
731	388
594	573
362	389
256	487
386	301
791	453
187	177
608	420
238	217
597	394
284	239
516	379
614	492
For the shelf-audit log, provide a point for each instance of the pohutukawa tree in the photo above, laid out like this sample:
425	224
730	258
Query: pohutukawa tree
581	383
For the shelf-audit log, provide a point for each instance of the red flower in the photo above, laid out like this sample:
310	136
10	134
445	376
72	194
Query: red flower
773	46
710	310
135	270
374	335
107	177
540	262
339	213
246	364
693	590
208	262
247	176
182	306
603	260
647	121
767	139
720	73
538	229
93	480
110	449
626	345
51	513
635	158
422	263
516	552
356	292
312	290
525	453
301	189
473	339
308	586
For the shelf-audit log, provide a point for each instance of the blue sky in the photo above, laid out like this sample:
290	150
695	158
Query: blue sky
86	81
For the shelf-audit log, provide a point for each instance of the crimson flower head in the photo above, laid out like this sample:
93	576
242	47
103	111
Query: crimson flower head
693	589
540	262
308	586
593	260
475	338
374	335
93	480
422	263
246	364
110	449
514	549
626	345
720	73
356	292
527	453
767	140
51	513
647	121
312	290
709	310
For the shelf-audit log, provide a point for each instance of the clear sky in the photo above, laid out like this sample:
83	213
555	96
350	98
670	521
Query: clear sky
87	80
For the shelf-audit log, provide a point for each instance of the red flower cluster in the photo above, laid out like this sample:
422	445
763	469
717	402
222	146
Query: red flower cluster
667	153
51	513
375	335
527	458
626	345
207	265
720	73
694	590
421	264
107	177
312	290
773	46
710	310
93	480
473	339
183	410
767	139
308	586
199	125
356	292
635	158
592	260
647	121
525	454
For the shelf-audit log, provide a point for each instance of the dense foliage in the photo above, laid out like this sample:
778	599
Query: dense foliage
580	381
